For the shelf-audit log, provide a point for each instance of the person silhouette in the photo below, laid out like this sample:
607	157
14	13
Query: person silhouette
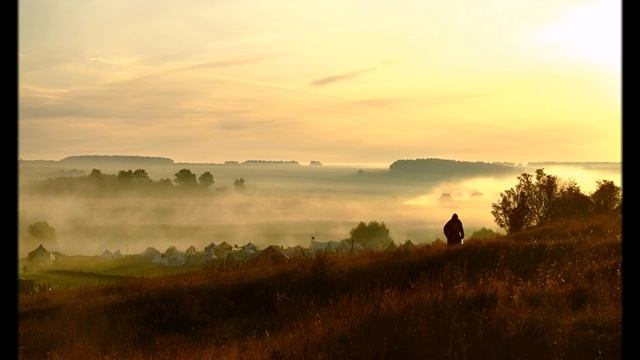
454	231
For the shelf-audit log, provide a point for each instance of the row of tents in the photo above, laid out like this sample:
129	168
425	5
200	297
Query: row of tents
222	252
40	257
225	253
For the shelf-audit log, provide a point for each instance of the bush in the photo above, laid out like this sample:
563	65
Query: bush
374	235
571	203
607	196
482	234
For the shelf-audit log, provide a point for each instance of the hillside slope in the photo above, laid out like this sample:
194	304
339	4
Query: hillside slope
552	292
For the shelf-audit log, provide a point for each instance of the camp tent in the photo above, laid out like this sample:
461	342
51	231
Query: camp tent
271	255
150	252
40	256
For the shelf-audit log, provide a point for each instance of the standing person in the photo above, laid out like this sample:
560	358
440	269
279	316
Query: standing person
453	231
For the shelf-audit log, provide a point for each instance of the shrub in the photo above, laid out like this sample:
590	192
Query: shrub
374	235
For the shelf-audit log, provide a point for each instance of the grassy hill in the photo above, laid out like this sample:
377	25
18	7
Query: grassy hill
552	292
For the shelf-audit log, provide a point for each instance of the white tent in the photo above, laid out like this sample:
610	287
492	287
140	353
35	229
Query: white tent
159	259
176	260
209	256
323	246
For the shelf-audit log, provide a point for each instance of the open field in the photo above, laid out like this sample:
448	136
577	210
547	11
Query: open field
73	271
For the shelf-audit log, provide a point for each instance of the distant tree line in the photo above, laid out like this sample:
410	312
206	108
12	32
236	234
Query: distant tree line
116	159
127	181
539	199
439	169
444	166
270	162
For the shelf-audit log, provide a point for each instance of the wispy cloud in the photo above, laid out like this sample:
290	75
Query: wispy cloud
451	98
110	61
339	77
42	92
242	124
228	63
424	102
209	65
378	102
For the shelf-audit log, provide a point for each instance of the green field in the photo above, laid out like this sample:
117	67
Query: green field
74	271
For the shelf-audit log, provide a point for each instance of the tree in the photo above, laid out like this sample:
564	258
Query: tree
512	212
97	181
530	203
163	183
185	177
206	179
607	196
95	174
543	198
125	177
140	176
571	202
374	235
42	231
239	184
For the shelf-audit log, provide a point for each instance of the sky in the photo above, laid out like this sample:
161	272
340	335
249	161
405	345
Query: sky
357	82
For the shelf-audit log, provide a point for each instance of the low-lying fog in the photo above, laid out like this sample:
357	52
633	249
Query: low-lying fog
284	209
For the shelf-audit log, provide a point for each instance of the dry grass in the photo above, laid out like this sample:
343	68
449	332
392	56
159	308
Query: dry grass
552	292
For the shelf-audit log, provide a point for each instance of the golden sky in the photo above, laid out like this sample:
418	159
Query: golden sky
333	80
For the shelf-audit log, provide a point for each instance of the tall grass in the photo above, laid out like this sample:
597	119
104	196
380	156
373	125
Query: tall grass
552	292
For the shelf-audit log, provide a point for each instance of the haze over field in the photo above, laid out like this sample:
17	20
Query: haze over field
282	204
355	85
